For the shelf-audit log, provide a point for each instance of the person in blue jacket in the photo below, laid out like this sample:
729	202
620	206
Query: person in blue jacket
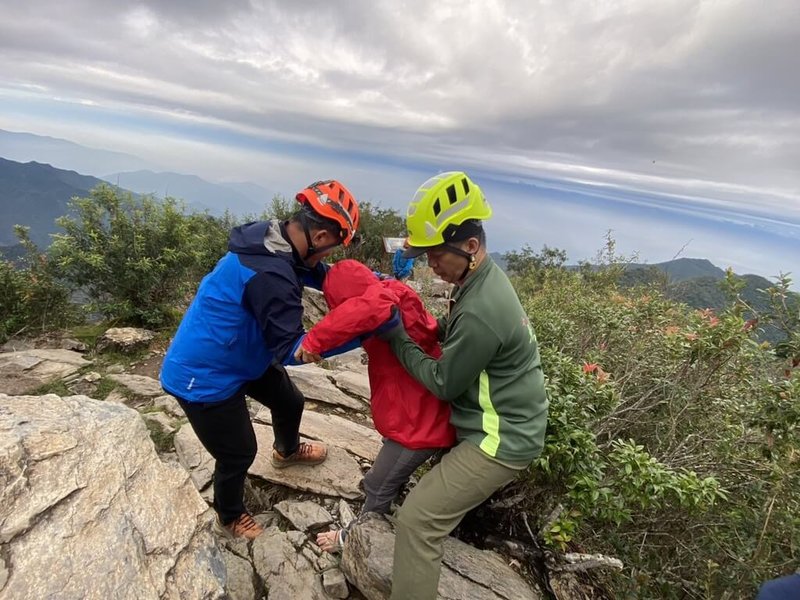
243	326
782	588
402	267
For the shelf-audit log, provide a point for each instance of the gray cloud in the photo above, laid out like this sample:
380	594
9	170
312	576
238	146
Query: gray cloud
677	96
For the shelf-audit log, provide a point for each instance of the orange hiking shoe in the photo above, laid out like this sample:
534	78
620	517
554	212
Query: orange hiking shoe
245	526
308	453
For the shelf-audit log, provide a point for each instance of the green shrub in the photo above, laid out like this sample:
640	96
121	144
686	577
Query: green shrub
672	441
33	297
137	259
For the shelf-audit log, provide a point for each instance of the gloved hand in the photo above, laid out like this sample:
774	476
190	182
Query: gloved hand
391	327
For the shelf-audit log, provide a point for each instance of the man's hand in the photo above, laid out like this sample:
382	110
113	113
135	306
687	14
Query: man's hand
304	356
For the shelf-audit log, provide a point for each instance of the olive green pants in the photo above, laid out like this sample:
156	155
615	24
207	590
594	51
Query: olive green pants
464	478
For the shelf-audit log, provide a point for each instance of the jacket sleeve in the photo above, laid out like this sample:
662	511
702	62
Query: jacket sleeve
274	298
441	327
352	318
469	347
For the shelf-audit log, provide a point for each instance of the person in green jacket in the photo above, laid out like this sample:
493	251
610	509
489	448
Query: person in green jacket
489	372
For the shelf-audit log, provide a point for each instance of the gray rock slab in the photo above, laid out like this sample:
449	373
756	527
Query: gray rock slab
81	476
314	306
335	584
24	371
355	360
169	405
239	585
466	571
287	573
193	457
161	420
337	431
304	515
140	385
340	475
124	339
315	384
346	514
353	382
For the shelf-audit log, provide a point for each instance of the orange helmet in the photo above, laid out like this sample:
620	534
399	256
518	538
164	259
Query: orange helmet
331	200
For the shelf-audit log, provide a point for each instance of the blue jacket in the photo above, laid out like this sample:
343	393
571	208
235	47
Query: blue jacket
246	315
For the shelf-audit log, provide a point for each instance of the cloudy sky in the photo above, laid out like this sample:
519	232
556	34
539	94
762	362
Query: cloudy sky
674	123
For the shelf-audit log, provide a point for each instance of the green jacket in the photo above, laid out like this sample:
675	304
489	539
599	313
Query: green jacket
489	371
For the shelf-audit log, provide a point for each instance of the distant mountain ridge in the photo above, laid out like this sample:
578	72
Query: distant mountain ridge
35	195
63	154
682	269
239	198
677	270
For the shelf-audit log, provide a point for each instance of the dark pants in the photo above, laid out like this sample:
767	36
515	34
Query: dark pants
391	470
225	430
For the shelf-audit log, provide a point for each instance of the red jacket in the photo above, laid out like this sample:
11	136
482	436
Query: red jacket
402	409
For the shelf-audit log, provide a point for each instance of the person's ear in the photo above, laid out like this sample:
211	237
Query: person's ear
473	245
321	237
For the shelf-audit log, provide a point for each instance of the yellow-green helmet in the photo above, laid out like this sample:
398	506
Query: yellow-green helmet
440	205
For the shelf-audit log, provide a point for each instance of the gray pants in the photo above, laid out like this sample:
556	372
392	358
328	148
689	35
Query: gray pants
389	473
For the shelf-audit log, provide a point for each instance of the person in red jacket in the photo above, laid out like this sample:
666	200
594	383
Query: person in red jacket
414	423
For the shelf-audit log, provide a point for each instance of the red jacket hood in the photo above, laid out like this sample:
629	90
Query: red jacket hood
347	279
402	409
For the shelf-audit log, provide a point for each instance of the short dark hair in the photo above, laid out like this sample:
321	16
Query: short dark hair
315	221
468	229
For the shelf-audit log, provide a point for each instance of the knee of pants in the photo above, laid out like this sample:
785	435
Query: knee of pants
245	453
371	483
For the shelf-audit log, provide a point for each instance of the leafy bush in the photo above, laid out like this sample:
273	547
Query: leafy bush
672	441
136	258
33	298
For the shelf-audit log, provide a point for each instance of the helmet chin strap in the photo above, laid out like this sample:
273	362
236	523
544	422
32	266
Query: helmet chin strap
311	249
471	261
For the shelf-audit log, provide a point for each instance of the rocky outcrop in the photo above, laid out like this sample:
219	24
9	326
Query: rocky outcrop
88	510
338	431
315	384
340	475
124	339
80	476
466	571
24	371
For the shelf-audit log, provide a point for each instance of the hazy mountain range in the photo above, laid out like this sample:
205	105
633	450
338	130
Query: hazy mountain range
63	154
239	198
35	194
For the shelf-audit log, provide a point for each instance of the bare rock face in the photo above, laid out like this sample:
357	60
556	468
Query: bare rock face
466	571
314	306
140	385
315	384
87	509
24	371
355	361
337	431
287	573
304	515
354	383
124	339
340	475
